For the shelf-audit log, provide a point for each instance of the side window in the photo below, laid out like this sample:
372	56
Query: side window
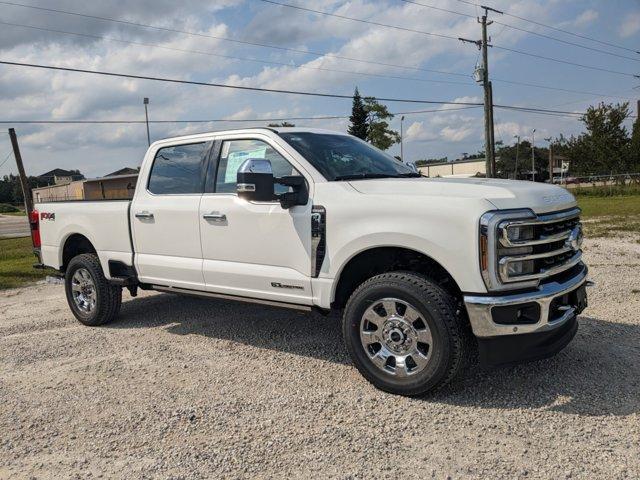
178	169
235	152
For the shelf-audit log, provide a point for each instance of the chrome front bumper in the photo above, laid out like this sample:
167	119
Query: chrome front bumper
479	308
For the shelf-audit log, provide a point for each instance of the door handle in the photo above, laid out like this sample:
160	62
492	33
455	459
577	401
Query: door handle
215	217
144	215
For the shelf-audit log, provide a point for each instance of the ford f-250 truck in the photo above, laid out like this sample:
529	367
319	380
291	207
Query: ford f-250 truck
428	272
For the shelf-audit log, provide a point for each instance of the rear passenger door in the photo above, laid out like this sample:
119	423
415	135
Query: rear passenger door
164	216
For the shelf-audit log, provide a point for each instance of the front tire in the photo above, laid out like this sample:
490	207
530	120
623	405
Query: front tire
404	333
92	299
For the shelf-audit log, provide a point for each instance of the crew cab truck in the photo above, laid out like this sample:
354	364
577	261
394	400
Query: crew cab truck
428	273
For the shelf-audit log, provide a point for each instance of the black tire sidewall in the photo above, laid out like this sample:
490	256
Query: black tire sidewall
92	265
441	359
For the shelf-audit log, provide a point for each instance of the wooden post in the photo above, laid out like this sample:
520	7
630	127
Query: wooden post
24	181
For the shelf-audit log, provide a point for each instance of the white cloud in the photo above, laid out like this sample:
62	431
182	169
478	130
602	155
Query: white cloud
456	134
417	132
630	25
585	18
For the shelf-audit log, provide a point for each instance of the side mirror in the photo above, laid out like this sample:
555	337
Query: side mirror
413	167
255	183
255	180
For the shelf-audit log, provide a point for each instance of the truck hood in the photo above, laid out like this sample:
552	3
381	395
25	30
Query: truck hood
503	194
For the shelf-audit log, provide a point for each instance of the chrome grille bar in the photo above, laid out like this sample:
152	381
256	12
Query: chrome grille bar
545	245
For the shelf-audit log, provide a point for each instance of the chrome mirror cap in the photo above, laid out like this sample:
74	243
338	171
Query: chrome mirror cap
256	165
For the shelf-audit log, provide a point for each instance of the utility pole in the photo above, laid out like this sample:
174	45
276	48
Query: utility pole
533	155
401	138
550	159
489	141
517	154
24	181
146	114
494	173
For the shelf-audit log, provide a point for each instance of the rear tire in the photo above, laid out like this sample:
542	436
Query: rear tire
92	299
405	333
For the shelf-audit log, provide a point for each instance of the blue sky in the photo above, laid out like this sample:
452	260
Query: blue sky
98	149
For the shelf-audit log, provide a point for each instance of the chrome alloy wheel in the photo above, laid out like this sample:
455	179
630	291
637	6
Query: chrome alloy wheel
396	337
83	289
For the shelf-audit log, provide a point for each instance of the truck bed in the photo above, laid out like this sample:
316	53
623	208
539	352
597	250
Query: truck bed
104	223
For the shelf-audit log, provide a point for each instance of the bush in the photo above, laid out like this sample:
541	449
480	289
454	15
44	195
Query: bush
6	208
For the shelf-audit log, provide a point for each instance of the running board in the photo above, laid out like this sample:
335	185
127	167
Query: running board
198	293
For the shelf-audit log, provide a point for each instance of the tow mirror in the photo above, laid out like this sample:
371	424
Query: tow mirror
256	183
255	180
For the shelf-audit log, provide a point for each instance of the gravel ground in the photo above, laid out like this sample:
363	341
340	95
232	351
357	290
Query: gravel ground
189	388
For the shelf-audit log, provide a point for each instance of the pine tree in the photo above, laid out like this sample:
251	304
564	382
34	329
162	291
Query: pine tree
359	123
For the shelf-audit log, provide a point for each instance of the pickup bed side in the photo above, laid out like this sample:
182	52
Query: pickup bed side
71	228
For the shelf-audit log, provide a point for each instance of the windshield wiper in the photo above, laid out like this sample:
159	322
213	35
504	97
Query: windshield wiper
359	176
410	175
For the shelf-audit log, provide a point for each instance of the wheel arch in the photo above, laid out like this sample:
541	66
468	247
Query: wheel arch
75	244
372	261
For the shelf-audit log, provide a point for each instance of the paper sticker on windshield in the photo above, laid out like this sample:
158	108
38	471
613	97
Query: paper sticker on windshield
235	159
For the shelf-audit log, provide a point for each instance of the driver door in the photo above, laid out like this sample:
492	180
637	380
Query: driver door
253	249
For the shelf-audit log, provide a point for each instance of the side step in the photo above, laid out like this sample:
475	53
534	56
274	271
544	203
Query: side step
198	293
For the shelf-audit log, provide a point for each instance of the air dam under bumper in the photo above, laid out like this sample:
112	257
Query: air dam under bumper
527	326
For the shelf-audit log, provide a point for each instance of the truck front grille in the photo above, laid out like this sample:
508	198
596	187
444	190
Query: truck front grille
536	248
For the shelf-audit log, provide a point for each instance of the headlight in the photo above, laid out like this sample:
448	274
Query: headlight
519	233
519	249
515	269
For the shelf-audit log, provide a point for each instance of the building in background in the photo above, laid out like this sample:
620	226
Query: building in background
59	176
111	187
460	168
124	171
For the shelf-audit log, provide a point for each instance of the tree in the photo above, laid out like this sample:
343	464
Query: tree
506	161
359	119
281	124
606	146
378	133
635	146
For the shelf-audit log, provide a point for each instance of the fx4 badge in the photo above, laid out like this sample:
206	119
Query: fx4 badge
48	216
282	285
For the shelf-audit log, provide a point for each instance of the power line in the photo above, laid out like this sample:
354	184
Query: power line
567	42
360	20
276	47
567	62
231	57
567	32
267	90
5	159
222	85
441	35
531	32
217	120
226	39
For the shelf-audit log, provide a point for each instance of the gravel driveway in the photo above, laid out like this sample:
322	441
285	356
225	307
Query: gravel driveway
188	388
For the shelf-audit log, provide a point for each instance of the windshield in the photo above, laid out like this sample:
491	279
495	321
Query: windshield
342	157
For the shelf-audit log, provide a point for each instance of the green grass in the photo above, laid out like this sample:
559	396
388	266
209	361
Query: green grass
16	263
608	216
14	214
609	206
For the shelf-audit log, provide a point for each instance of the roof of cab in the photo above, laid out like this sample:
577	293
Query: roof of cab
197	136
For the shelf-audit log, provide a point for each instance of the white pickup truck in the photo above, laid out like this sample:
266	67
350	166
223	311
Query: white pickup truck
427	272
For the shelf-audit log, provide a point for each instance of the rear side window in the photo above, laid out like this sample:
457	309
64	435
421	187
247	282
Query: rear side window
178	169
